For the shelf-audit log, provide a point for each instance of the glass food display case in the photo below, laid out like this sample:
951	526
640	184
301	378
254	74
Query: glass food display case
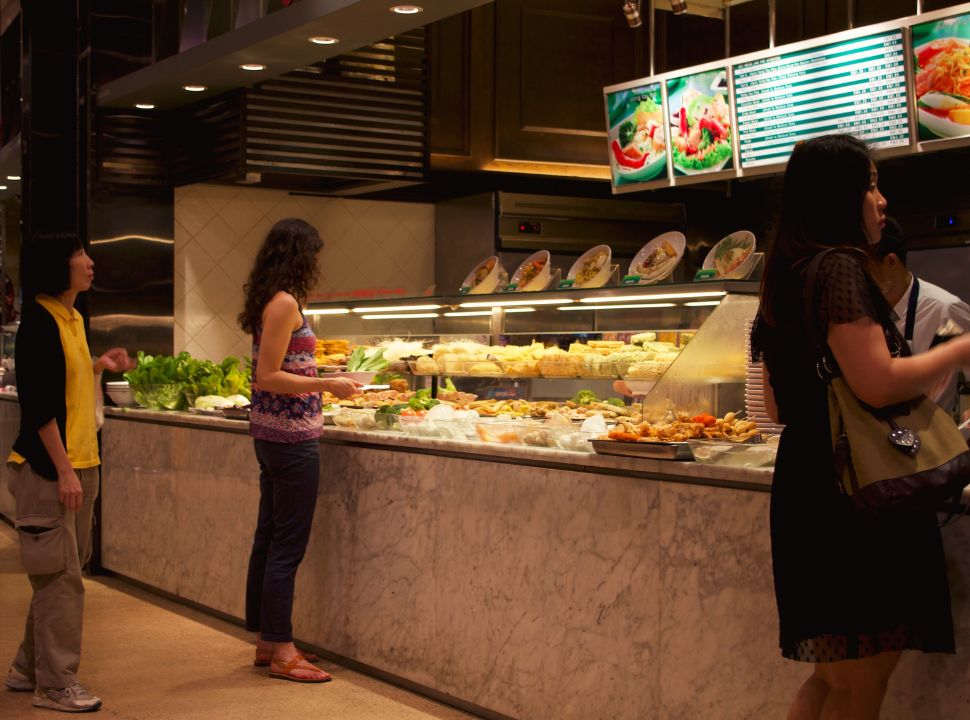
639	354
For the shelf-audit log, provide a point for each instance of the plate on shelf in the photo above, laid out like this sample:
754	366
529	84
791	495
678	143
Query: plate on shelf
653	450
592	269
216	412
658	258
733	257
534	273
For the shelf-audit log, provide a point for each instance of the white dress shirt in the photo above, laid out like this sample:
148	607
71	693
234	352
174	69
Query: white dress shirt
934	306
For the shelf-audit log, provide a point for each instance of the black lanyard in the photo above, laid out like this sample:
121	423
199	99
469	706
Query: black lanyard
911	310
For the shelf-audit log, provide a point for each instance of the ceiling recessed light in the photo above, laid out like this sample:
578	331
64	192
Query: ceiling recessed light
13	177
144	106
194	88
321	40
253	67
3	187
407	9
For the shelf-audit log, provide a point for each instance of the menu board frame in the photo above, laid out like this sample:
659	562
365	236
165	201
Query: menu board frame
662	180
935	144
915	145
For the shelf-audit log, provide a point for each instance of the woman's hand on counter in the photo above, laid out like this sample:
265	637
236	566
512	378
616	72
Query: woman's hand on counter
341	387
115	360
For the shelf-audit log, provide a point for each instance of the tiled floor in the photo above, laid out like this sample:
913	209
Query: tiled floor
151	659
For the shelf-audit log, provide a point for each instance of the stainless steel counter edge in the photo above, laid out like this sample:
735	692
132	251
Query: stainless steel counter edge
685	472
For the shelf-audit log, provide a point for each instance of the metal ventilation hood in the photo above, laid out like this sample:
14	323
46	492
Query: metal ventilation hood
279	41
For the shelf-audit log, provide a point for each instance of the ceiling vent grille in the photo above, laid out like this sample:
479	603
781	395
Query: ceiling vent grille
131	149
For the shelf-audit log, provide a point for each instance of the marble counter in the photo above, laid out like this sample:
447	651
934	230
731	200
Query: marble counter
528	583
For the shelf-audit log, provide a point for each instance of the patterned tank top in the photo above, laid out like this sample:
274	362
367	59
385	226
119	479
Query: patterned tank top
288	418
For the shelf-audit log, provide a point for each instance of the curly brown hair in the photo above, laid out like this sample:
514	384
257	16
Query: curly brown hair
286	262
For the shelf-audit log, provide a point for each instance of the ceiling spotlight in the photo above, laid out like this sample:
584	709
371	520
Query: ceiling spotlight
321	40
679	7
194	88
252	67
407	9
144	106
631	8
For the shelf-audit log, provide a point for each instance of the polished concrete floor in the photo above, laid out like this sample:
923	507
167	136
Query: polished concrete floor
149	658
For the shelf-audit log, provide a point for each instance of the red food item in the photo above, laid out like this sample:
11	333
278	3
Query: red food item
624	160
704	419
411	412
683	122
715	128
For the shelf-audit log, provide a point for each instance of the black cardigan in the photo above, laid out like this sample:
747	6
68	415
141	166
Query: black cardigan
41	386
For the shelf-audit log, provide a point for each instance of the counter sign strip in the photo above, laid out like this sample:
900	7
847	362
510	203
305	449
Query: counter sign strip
856	86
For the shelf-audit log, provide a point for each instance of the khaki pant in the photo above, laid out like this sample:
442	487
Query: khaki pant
55	543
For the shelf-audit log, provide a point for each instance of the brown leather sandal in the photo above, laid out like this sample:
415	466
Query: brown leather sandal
298	662
262	658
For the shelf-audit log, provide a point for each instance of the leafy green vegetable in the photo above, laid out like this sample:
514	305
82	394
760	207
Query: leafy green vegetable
706	139
585	397
360	361
422	400
450	385
721	152
163	381
649	106
615	401
627	130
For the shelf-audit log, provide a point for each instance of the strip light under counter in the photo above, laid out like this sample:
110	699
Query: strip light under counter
399	316
703	303
634	306
484	313
396	308
656	296
513	303
327	311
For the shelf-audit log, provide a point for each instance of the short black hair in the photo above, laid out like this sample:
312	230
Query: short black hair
893	241
46	263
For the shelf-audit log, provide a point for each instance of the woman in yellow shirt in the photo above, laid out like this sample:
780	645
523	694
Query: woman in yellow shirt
56	456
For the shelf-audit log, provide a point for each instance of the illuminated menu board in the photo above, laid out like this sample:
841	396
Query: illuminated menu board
638	150
855	86
941	59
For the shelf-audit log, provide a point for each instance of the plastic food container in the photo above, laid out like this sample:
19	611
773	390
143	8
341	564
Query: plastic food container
355	419
456	428
556	368
423	366
496	431
729	454
120	393
577	441
419	426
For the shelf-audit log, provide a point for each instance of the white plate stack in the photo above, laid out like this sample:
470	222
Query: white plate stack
754	390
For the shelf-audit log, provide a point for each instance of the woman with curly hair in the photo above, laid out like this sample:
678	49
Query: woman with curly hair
285	424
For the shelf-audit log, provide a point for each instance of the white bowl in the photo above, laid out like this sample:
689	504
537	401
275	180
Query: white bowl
675	240
602	274
540	280
741	271
120	394
485	277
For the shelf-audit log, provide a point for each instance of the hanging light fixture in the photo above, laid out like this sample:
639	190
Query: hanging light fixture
631	9
679	7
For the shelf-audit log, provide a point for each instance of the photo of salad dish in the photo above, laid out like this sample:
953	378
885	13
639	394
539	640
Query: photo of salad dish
638	150
700	123
729	258
942	71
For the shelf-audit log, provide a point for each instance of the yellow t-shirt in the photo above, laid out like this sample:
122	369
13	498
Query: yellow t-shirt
81	431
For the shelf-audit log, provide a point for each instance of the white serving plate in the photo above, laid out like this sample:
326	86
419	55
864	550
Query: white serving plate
540	281
602	275
742	270
679	244
490	282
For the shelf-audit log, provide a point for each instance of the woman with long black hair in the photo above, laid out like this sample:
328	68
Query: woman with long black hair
285	424
853	590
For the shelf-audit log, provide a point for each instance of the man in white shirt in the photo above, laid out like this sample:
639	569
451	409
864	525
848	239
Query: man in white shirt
922	309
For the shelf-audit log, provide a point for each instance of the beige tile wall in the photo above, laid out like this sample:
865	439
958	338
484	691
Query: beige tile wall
384	247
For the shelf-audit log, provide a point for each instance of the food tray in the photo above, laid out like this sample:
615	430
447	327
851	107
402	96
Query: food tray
236	413
654	450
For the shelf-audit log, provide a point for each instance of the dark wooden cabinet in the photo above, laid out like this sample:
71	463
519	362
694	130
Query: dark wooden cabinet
553	58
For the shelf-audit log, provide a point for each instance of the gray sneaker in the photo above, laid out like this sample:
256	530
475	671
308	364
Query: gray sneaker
73	698
17	681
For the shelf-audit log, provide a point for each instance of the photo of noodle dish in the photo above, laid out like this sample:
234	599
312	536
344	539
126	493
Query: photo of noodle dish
658	258
592	269
638	150
700	123
942	69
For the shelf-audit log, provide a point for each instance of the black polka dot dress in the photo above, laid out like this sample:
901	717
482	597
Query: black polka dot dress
848	585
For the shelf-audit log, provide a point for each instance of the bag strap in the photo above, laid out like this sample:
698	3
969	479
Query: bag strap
809	298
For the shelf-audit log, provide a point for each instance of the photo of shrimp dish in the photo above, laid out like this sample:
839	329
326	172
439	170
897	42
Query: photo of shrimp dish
638	142
943	86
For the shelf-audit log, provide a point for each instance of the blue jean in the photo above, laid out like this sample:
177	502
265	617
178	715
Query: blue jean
289	476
